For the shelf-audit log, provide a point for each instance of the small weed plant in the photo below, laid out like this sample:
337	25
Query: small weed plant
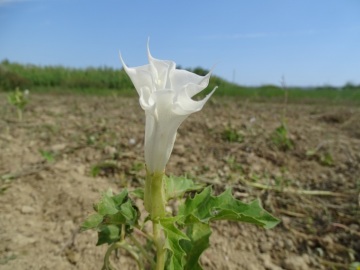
280	138
231	134
19	100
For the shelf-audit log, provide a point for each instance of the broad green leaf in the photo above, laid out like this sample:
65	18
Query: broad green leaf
120	198
199	234
107	205
108	234
129	212
172	243
205	207
139	193
92	221
178	186
116	219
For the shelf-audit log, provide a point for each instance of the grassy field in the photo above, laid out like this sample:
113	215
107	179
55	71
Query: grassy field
109	81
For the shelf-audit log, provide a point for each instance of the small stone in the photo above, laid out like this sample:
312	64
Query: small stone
296	263
179	149
289	244
26	209
267	262
72	256
328	241
265	247
58	147
110	150
132	141
23	240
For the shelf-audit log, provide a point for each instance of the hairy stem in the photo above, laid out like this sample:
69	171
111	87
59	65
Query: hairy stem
159	244
154	201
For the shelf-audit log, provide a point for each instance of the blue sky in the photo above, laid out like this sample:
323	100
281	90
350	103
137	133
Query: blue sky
308	42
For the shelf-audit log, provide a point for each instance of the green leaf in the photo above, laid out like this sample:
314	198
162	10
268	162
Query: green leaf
199	234
92	222
205	207
116	219
129	212
126	212
178	186
176	256
139	193
120	198
107	205
108	234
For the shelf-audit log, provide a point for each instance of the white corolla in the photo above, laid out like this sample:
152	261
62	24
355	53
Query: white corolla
166	97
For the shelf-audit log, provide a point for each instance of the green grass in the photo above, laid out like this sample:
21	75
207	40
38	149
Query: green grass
109	81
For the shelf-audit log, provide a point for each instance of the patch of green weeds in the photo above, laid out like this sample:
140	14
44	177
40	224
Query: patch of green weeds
49	156
91	140
5	183
6	259
325	157
282	182
104	169
233	164
231	134
255	177
280	138
136	167
51	128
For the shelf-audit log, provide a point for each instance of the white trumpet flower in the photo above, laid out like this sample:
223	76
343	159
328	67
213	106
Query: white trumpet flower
166	97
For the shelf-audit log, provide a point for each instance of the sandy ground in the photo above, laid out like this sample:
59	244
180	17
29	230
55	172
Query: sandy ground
313	187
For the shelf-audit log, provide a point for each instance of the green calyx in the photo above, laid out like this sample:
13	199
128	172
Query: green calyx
154	195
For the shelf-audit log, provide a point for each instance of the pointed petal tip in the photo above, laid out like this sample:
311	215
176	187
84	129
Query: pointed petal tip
211	70
121	60
148	50
212	92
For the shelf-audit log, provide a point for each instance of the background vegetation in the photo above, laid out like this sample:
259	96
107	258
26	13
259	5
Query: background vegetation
105	80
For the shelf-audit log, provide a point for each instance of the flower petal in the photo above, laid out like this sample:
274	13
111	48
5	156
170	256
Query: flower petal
160	70
194	83
140	76
160	131
184	105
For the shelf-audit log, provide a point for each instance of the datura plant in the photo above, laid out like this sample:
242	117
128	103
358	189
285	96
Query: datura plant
177	238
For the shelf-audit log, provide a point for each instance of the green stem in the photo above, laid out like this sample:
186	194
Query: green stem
154	202
159	244
143	251
107	265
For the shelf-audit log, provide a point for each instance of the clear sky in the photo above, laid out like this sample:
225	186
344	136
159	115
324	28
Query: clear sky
253	42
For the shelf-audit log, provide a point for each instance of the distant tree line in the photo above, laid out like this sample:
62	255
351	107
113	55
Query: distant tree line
15	75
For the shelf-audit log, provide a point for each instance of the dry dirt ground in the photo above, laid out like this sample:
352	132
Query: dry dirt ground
48	188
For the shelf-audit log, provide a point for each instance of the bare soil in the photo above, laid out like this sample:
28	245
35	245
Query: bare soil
48	188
